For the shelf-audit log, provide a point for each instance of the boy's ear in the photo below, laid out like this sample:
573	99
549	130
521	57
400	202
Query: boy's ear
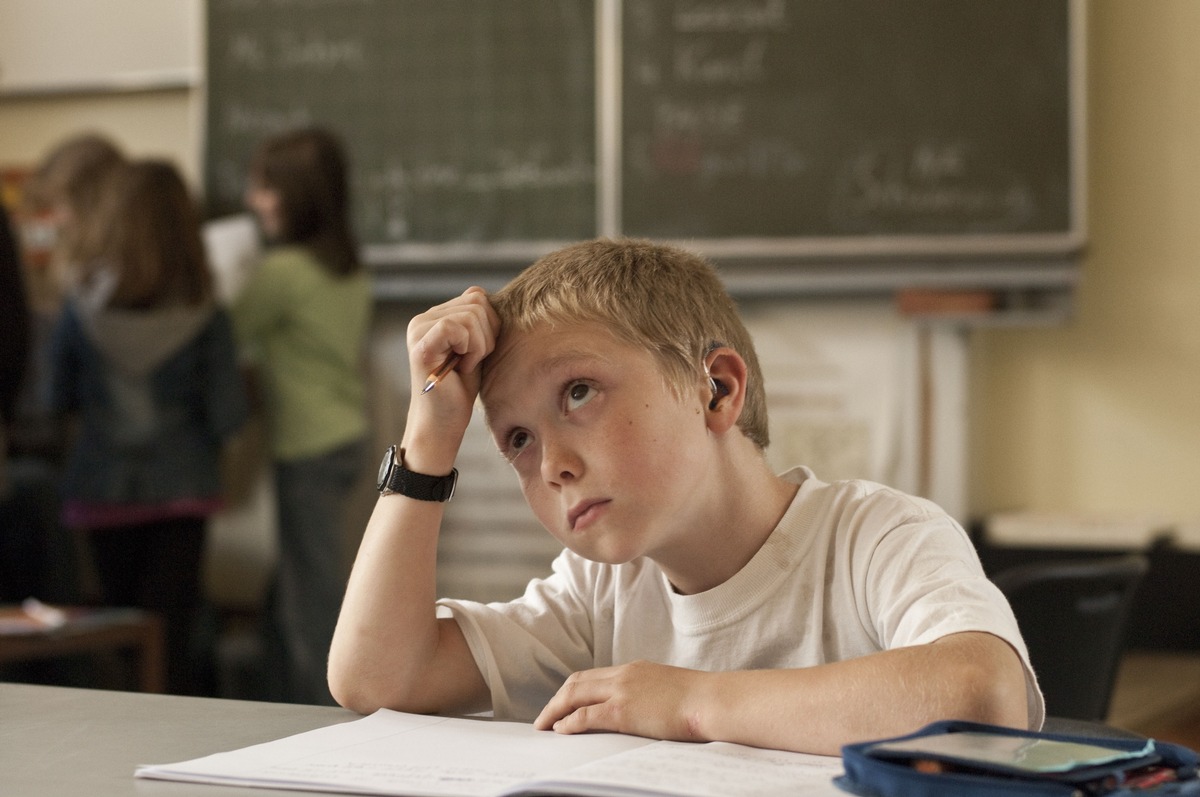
726	386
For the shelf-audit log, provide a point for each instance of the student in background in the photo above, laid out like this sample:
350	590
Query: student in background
64	195
21	552
145	359
700	596
15	334
59	231
302	319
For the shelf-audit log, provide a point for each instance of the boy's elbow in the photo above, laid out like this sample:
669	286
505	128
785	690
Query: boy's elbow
979	678
992	686
996	699
357	689
363	696
365	691
348	691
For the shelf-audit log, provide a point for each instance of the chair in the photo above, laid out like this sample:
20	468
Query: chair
1074	615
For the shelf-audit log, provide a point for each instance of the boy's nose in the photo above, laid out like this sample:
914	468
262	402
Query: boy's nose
560	465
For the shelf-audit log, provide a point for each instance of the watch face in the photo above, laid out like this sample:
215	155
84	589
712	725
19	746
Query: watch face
385	467
395	478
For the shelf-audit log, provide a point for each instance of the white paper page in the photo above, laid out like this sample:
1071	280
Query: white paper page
402	754
716	769
233	249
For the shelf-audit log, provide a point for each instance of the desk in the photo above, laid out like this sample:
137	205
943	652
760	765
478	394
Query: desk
94	631
60	742
64	742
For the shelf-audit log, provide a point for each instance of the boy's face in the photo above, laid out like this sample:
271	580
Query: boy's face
608	457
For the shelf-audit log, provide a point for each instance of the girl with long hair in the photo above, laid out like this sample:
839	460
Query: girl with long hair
144	357
302	319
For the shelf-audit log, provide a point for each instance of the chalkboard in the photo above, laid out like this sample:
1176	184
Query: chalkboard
464	121
482	129
845	118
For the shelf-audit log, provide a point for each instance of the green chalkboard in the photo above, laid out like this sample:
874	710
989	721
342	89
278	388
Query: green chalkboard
465	121
846	118
746	126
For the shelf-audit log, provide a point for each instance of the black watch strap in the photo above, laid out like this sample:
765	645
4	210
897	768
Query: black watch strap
395	478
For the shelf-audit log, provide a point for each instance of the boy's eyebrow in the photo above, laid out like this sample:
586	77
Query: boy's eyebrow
569	358
572	357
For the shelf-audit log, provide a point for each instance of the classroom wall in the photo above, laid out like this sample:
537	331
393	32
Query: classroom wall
1099	416
163	123
1102	416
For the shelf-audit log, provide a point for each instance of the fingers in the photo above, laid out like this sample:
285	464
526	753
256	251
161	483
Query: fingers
595	717
483	325
584	702
466	327
462	331
640	698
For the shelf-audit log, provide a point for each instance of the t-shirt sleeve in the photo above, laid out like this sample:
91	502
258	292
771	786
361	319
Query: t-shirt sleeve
527	647
922	581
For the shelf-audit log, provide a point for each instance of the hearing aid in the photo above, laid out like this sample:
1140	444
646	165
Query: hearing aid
715	385
718	389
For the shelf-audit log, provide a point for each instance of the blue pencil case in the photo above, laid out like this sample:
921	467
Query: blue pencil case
969	759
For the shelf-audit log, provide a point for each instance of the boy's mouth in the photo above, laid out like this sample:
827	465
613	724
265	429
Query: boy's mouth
584	512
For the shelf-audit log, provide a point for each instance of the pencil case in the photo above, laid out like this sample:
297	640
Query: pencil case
969	759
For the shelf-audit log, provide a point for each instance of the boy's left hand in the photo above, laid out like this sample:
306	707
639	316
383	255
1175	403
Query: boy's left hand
641	698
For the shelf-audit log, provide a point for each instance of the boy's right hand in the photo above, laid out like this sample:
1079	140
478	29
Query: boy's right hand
465	326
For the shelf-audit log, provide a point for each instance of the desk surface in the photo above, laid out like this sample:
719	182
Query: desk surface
58	741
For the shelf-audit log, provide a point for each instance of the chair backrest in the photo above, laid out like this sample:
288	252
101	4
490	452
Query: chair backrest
1074	615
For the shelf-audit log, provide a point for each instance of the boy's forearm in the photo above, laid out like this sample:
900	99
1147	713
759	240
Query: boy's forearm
971	676
389	650
964	676
386	627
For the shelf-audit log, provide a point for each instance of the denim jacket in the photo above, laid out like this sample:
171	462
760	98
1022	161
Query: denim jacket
156	392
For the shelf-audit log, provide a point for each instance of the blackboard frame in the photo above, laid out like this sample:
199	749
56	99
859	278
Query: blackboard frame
1043	264
931	250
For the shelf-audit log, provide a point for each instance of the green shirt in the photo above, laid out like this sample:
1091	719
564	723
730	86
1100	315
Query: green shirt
306	330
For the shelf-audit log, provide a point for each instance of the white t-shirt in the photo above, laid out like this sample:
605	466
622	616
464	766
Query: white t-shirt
852	568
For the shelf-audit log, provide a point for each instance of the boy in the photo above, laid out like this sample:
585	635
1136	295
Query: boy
700	596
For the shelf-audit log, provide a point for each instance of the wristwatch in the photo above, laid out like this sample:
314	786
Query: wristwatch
395	478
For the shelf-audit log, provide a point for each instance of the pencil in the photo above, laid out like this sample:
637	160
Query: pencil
436	376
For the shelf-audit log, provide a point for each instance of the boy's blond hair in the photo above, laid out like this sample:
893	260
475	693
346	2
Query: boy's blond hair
662	299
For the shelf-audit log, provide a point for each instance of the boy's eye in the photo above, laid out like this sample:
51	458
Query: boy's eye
578	394
517	441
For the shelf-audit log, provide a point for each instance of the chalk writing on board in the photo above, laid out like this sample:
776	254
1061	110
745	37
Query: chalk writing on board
463	122
387	190
722	16
927	186
749	127
760	119
288	49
